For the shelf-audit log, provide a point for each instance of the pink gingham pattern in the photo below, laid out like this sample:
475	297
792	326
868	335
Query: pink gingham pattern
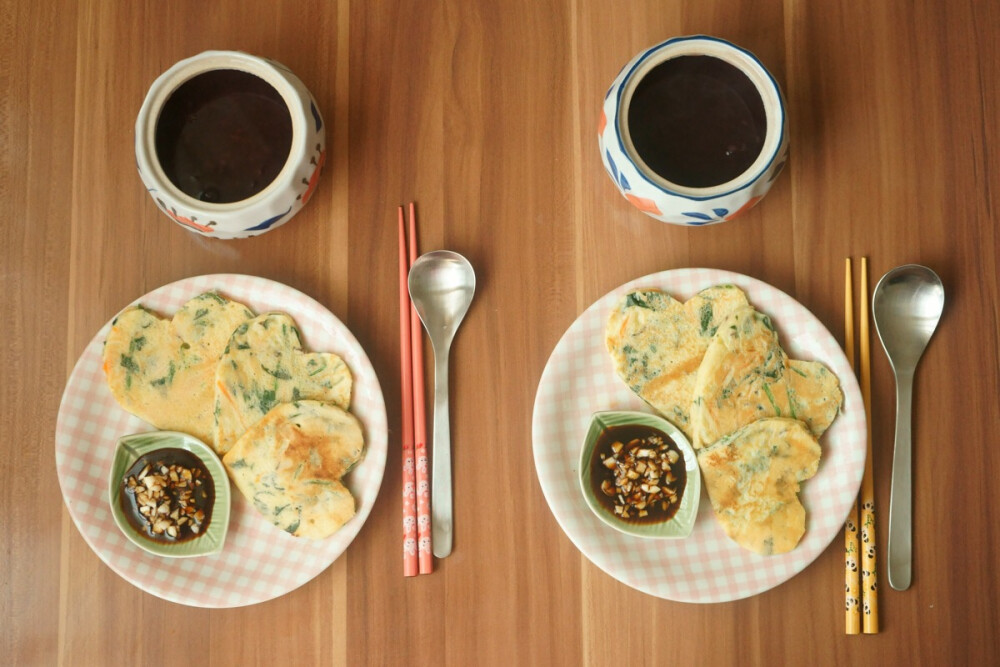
259	561
706	567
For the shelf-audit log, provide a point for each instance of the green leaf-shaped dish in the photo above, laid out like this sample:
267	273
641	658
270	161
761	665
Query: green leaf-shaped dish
681	524
129	449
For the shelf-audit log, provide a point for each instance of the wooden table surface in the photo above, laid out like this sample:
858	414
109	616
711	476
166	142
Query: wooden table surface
484	113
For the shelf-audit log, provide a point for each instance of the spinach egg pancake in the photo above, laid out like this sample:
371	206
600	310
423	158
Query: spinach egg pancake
290	464
263	366
657	344
816	394
753	476
745	376
163	371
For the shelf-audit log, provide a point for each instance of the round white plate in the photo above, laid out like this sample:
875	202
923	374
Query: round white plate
579	379
259	561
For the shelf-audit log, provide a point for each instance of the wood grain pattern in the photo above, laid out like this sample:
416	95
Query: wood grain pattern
485	113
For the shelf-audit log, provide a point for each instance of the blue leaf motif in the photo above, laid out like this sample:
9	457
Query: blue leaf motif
624	181
315	113
699	216
721	212
270	221
611	165
777	170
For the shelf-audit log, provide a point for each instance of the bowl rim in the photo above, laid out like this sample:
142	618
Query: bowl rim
276	75
130	447
750	64
682	523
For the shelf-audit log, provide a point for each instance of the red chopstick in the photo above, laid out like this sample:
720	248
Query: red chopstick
420	423
410	566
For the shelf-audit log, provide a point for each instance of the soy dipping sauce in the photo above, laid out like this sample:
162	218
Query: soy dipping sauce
643	450
191	495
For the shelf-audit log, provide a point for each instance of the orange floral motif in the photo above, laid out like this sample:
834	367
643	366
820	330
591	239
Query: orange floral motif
602	124
314	179
187	222
643	204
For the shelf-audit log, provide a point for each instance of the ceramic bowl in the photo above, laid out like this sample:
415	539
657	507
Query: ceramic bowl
669	202
129	449
678	526
276	203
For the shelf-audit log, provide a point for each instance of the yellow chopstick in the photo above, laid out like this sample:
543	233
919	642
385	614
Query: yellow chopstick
869	578
853	615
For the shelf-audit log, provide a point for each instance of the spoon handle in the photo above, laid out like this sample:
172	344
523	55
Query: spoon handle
441	515
901	497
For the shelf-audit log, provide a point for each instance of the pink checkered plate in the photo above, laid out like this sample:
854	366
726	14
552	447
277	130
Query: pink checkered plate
579	379
259	561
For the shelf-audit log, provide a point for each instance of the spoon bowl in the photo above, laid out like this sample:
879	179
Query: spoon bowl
441	285
906	305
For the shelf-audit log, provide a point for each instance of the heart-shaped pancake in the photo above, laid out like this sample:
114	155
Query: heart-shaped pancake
657	344
745	376
753	476
163	371
290	464
264	365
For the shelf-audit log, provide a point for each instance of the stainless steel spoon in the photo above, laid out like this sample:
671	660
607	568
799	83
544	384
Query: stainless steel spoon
441	285
906	305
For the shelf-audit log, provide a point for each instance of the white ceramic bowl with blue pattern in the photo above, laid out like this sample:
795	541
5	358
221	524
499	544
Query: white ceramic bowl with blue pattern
277	202
670	202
